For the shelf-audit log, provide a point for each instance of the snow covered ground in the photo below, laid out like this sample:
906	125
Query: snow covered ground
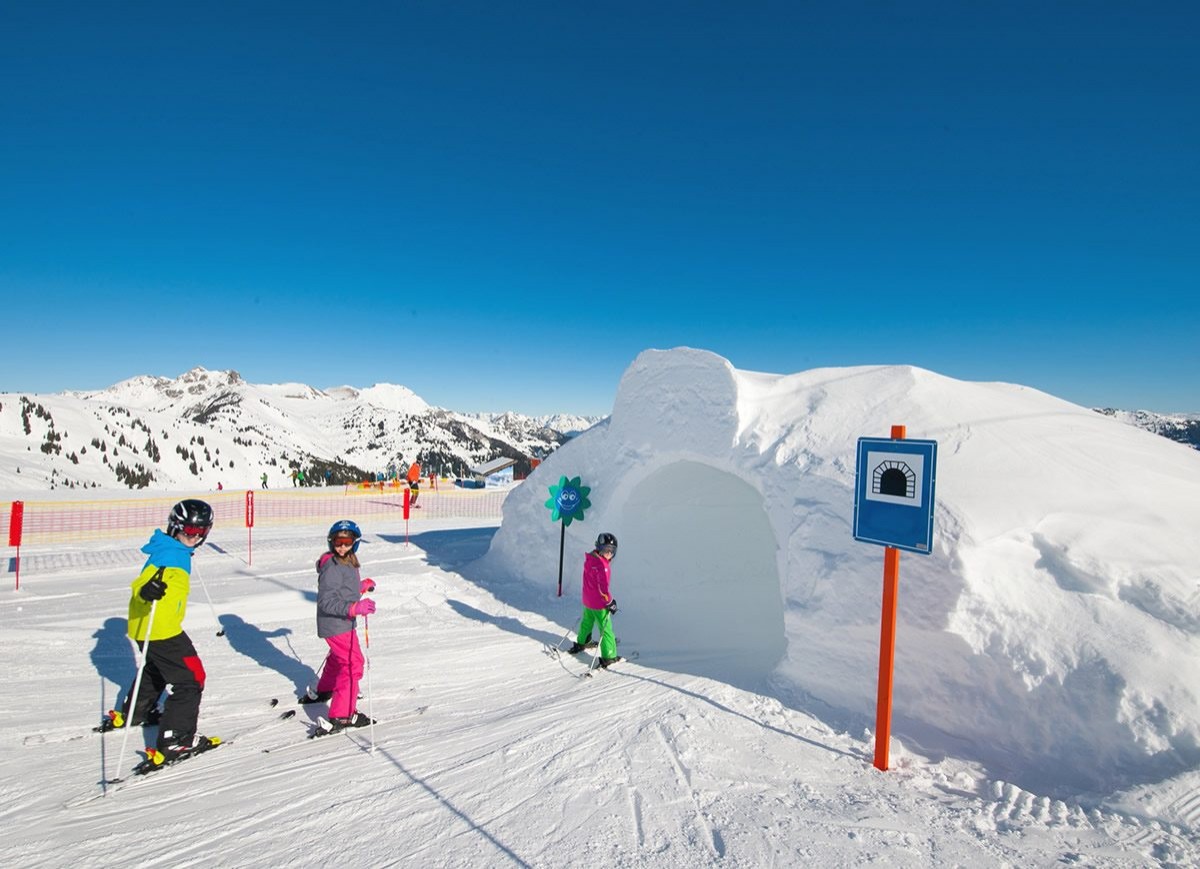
488	751
1047	657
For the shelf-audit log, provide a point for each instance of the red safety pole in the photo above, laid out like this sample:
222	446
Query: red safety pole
887	643
406	512
16	522
249	527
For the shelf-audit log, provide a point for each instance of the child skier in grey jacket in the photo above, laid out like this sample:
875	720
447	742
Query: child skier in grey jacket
339	601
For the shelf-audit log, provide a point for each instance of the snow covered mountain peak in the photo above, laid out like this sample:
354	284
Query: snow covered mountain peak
152	391
390	396
208	427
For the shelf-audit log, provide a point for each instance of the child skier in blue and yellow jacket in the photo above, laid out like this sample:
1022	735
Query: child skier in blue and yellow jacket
157	608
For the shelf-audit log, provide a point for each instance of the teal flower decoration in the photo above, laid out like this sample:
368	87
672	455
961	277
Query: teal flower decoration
568	500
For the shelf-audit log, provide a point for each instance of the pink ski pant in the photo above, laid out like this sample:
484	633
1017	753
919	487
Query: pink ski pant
342	673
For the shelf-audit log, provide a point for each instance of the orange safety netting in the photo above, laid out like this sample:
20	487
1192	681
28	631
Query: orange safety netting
51	522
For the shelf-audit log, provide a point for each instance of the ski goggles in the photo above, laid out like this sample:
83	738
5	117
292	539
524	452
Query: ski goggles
343	541
195	530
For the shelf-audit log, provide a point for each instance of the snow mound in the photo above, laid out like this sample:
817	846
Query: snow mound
1052	634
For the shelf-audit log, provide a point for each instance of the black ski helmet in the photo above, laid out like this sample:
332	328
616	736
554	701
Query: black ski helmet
606	539
344	528
190	513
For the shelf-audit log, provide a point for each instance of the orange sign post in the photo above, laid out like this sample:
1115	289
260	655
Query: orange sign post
887	655
887	643
893	507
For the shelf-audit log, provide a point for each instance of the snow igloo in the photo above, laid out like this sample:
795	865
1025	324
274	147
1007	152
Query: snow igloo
1050	634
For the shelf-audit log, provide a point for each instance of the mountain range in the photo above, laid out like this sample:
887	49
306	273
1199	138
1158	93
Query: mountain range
1181	427
205	429
208	428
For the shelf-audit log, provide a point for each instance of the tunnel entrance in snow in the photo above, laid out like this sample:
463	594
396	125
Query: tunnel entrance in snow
696	576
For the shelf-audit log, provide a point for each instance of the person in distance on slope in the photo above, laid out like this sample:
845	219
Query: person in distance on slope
339	601
598	604
414	483
161	590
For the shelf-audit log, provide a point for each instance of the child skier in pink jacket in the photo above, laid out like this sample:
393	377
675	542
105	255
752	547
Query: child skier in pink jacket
598	602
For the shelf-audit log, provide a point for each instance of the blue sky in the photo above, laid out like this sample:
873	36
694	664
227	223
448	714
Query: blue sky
500	205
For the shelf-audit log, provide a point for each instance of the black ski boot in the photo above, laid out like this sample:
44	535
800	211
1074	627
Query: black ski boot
355	720
112	720
328	726
173	752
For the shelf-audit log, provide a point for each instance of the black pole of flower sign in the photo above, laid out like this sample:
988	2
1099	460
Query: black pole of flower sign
567	502
562	545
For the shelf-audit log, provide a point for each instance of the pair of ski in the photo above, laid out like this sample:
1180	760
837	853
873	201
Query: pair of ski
153	763
115	720
594	665
327	726
141	770
323	728
207	744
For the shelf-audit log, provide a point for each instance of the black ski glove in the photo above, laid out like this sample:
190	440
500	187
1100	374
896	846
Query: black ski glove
612	605
153	590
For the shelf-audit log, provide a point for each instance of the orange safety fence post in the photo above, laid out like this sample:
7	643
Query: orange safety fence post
249	527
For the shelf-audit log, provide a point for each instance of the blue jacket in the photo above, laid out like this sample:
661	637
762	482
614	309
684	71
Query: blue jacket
175	560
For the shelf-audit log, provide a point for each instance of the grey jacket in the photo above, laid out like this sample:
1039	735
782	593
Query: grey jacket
338	588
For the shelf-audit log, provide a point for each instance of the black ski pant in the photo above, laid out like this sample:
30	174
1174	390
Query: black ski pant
173	662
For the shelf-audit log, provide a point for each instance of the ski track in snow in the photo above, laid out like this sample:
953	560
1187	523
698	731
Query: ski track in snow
1187	808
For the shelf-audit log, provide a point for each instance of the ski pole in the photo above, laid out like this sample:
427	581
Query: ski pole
137	686
605	619
570	631
311	690
221	630
599	649
367	655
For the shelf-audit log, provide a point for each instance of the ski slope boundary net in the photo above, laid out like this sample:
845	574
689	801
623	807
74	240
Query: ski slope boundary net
56	523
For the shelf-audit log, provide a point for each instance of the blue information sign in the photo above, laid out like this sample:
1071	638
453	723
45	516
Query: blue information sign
893	493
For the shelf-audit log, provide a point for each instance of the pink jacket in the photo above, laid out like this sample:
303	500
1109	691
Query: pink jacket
596	571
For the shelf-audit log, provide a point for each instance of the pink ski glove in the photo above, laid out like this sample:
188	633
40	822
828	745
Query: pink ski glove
364	607
368	584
